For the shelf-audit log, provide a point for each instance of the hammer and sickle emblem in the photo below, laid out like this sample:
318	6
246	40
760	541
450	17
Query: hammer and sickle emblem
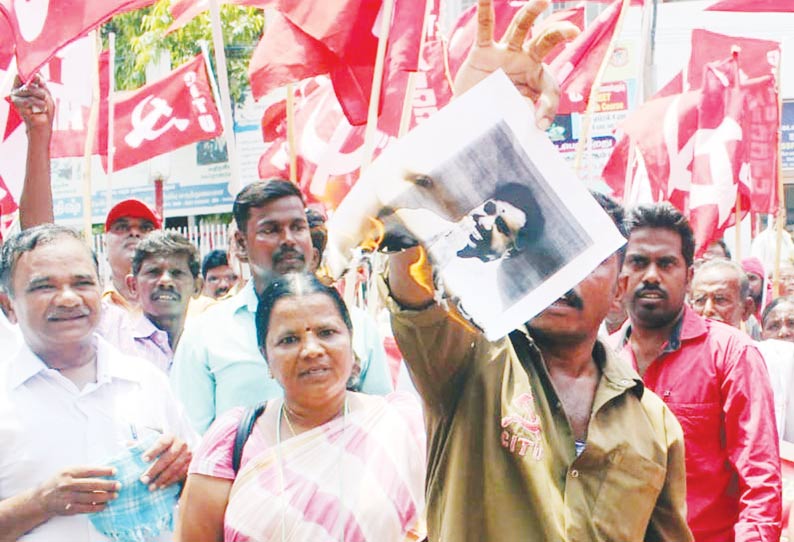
144	126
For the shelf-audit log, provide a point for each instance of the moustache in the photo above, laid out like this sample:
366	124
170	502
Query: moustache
68	314
572	299
647	288
287	252
163	291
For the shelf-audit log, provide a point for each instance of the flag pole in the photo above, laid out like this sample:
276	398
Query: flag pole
226	101
377	83
293	151
781	191
111	148
410	87
591	102
88	148
738	228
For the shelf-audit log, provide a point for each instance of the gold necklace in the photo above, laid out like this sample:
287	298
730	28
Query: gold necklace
289	423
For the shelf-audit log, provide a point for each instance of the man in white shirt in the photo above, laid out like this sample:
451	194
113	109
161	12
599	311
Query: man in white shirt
69	401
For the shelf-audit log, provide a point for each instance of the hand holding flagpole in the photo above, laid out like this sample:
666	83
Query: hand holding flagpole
523	63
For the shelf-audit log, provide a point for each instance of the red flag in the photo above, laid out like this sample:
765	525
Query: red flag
6	42
760	129
463	32
577	66
337	37
70	80
719	154
783	6
715	143
41	27
329	148
183	11
13	148
175	111
756	57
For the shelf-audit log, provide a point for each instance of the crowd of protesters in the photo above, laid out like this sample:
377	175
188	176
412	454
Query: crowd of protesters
177	402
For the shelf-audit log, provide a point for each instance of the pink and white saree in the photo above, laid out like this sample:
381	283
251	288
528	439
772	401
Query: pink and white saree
358	478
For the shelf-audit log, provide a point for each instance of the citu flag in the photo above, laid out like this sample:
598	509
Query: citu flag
175	111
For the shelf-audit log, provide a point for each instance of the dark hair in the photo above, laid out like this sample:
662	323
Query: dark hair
663	215
317	230
521	197
26	241
214	258
258	194
617	214
165	243
719	263
293	285
769	308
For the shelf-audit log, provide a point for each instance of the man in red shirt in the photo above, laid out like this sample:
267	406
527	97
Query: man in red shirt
712	378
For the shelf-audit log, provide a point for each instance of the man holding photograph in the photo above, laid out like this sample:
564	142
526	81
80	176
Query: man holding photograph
542	435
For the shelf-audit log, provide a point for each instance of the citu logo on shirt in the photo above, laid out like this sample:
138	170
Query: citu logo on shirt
521	430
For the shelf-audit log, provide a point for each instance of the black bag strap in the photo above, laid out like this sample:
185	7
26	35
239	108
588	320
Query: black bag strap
244	429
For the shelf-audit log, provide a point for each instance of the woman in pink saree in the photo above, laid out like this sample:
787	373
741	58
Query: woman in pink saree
323	464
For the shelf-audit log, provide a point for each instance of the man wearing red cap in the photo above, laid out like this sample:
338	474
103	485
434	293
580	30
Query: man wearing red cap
126	224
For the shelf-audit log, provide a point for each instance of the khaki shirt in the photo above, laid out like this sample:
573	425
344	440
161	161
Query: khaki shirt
501	459
113	297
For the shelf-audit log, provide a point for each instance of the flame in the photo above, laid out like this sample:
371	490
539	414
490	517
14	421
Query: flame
375	236
455	316
421	272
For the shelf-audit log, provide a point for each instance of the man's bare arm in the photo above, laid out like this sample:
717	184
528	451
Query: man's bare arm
34	103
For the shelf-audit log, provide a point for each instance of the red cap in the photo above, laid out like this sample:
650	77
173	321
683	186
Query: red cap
131	208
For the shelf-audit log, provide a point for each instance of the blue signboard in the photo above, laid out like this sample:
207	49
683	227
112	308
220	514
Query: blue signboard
787	135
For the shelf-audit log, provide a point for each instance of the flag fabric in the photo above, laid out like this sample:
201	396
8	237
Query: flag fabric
329	148
175	111
41	27
13	148
70	80
184	11
716	144
757	63
6	42
464	30
337	37
757	57
719	154
783	6
577	66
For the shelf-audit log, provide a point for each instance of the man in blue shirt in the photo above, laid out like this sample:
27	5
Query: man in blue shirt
217	364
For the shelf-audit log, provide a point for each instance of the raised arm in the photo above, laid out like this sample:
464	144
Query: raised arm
523	63
34	103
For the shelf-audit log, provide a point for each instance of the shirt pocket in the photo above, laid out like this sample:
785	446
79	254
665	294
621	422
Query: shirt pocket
702	424
627	497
